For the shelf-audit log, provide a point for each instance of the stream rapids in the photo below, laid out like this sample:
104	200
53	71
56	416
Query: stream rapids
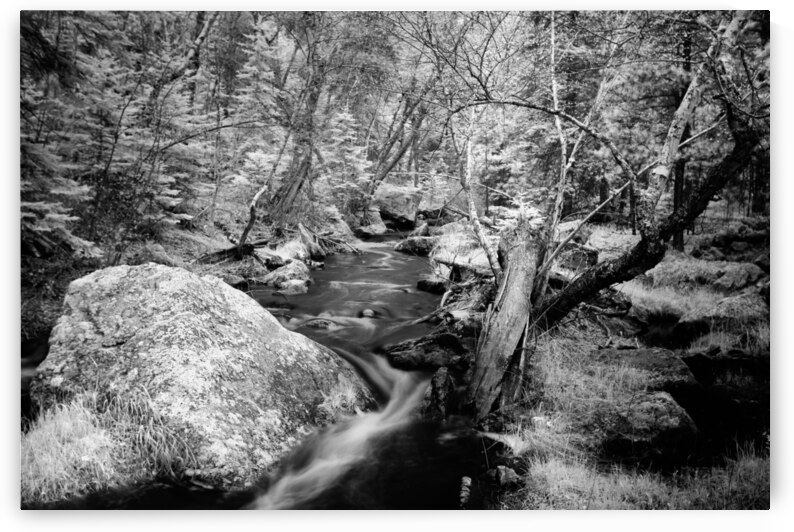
382	459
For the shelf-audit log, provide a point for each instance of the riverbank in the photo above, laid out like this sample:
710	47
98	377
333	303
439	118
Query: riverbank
567	434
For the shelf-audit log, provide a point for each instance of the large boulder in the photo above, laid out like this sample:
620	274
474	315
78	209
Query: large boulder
651	429
215	367
292	278
682	271
739	312
371	224
416	245
664	370
398	203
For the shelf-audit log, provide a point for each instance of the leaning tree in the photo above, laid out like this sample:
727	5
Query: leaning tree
725	72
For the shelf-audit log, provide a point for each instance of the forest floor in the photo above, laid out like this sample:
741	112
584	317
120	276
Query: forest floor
559	442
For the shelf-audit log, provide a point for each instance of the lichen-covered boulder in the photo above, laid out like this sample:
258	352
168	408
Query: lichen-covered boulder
664	371
398	203
682	271
214	365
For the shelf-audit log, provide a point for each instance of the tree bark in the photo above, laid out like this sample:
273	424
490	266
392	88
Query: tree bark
504	323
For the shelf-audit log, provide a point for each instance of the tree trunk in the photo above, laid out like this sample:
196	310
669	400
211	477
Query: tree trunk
678	199
504	323
465	183
397	142
194	61
285	196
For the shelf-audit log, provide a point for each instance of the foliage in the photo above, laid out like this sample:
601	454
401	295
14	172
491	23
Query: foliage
126	125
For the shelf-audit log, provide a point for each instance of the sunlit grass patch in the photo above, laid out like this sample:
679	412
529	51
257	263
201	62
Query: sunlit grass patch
574	484
88	444
66	451
668	300
574	385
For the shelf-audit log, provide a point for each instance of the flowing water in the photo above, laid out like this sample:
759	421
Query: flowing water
358	302
383	459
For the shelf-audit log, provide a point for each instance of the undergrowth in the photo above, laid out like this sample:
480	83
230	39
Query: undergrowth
575	484
568	396
668	300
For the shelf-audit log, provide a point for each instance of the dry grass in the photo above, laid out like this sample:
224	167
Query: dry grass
574	484
752	338
573	385
88	444
668	300
66	452
558	434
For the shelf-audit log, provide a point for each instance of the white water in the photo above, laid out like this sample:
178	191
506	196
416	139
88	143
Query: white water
347	443
383	281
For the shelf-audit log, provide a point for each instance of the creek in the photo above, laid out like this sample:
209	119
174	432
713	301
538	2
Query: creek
386	458
358	302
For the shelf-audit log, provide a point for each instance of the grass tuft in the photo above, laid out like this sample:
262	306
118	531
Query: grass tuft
88	444
752	338
668	300
574	484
